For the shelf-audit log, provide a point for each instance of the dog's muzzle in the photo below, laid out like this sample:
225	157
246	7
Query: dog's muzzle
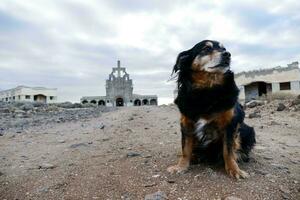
226	57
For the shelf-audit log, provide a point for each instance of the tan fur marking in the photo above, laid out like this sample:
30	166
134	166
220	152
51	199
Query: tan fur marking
199	62
186	122
187	151
209	44
237	140
203	79
224	118
230	159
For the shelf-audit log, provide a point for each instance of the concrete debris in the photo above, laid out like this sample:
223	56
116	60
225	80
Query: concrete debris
254	103
254	115
156	196
281	107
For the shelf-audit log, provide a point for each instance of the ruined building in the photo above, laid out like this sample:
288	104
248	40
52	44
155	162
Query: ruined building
30	94
254	84
119	92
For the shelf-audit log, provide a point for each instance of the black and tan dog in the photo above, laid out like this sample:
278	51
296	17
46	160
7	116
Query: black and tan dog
211	118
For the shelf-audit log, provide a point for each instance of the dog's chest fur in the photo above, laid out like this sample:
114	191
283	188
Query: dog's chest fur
206	132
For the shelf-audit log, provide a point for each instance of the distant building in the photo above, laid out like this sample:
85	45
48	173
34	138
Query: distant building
30	94
119	92
254	84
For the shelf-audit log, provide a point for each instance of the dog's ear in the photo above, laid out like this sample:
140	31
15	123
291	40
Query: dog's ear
182	60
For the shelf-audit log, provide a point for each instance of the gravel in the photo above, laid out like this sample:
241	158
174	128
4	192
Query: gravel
65	152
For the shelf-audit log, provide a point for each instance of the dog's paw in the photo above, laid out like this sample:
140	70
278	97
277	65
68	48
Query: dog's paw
237	173
177	169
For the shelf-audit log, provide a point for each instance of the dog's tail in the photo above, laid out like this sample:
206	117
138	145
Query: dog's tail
247	136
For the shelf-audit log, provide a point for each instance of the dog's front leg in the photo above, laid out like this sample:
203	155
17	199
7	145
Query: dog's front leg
187	141
230	145
184	161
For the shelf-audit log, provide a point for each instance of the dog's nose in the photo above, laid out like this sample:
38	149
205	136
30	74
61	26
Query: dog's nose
226	54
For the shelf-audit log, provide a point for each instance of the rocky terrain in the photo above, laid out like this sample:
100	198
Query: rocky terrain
67	151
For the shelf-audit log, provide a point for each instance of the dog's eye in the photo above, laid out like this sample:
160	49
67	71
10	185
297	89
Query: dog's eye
207	49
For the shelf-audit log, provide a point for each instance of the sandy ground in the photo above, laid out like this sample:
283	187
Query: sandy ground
124	154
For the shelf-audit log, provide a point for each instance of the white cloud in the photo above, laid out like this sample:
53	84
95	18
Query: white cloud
73	45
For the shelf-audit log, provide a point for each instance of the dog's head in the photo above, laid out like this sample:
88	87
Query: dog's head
210	56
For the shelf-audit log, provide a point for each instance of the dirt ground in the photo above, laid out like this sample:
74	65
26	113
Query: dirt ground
124	154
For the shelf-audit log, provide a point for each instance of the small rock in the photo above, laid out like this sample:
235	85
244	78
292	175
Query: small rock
156	176
171	181
126	196
46	166
254	103
284	190
284	196
281	107
280	167
27	107
102	126
231	198
150	184
19	111
13	136
129	130
254	115
261	172
156	196
78	145
130	119
269	176
1	173
132	154
43	190
61	141
268	158
274	123
295	102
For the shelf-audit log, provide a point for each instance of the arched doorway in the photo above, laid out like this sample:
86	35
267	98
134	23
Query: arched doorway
94	101
145	102
101	103
257	89
119	102
153	102
40	98
84	101
137	102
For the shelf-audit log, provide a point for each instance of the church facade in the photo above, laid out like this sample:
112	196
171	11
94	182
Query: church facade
119	92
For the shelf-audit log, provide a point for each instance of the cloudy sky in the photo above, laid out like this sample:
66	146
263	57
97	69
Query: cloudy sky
72	45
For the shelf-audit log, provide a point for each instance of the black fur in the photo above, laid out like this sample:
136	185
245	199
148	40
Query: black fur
247	135
195	103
